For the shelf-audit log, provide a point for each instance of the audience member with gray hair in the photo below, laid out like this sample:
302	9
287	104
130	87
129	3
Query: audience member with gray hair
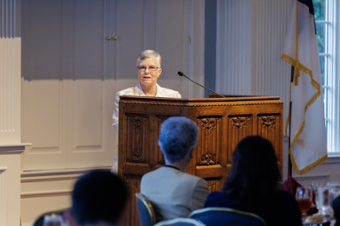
172	192
148	71
177	138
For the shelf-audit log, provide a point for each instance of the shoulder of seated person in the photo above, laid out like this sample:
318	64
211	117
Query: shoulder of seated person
151	172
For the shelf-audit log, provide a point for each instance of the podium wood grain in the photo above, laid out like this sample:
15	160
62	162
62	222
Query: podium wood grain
223	122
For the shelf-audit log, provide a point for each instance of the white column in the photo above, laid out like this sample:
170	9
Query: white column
10	112
10	71
250	38
233	47
249	44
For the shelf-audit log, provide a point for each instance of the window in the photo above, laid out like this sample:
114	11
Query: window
327	28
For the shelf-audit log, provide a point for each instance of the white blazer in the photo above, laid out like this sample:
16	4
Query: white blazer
137	91
173	193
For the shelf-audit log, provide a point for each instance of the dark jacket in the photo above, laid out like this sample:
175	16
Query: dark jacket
285	210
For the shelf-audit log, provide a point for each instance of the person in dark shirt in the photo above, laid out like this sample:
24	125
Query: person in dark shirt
336	208
99	198
252	185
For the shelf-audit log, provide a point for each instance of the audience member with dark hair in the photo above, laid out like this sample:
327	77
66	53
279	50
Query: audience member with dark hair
173	192
252	185
99	198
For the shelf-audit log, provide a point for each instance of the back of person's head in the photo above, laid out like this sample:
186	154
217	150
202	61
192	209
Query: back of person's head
177	138
99	197
254	175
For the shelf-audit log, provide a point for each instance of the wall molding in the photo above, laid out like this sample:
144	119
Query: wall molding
46	194
307	179
55	175
332	160
46	179
316	175
15	149
48	190
15	145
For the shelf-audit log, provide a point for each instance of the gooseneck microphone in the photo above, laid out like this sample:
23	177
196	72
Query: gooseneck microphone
181	74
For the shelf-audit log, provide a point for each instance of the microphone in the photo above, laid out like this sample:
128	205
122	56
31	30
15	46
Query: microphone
183	75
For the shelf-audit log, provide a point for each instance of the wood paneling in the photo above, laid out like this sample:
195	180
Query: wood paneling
215	184
223	122
133	184
209	145
268	126
239	127
137	144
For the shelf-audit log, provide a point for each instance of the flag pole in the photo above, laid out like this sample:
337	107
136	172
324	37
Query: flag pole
290	120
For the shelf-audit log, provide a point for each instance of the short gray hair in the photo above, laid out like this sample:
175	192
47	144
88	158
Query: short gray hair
149	54
177	137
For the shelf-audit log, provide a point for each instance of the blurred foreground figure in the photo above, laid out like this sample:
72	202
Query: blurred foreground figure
99	198
252	185
336	208
172	192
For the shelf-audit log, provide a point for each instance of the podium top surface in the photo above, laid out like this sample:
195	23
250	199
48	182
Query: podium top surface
229	98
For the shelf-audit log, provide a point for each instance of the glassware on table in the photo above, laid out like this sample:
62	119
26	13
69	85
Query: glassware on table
334	190
304	199
314	186
323	199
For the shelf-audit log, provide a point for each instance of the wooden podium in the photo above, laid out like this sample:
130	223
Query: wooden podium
223	122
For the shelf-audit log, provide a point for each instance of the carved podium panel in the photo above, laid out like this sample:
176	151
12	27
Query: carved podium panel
223	122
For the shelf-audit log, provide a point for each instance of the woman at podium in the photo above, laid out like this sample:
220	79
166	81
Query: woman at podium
148	69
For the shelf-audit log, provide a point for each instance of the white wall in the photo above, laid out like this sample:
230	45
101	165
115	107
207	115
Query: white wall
71	72
250	37
44	191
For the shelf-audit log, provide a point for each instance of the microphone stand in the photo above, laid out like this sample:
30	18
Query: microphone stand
183	75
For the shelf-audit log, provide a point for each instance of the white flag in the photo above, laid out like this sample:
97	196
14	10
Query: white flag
308	133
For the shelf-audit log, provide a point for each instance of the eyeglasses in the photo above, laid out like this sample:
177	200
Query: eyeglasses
151	68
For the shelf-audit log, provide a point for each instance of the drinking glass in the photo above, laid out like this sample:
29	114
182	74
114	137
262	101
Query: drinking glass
323	199
304	199
314	186
334	190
